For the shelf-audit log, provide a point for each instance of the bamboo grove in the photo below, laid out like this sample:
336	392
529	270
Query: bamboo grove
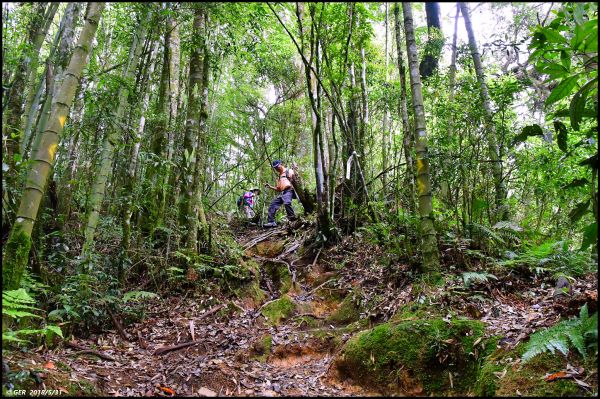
129	126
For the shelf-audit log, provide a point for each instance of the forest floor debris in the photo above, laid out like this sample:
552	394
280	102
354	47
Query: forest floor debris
197	345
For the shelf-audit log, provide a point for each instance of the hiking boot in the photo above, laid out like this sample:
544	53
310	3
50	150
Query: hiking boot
270	224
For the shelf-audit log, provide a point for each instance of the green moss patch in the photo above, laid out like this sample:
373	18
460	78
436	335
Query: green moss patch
502	374
347	312
415	357
279	310
280	275
270	249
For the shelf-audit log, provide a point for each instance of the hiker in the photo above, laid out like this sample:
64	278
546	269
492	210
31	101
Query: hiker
287	193
247	202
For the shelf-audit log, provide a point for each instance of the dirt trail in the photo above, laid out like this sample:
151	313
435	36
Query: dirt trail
227	357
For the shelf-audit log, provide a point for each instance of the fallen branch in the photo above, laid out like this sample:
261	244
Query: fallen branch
83	350
309	315
320	286
120	328
165	349
316	258
211	311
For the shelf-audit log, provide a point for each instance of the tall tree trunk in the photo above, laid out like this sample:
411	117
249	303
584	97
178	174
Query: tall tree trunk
16	251
130	181
191	203
385	139
112	138
325	223
407	139
429	247
490	127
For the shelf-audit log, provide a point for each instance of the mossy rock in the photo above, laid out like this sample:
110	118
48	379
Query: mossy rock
251	294
527	378
261	348
416	357
279	310
347	312
270	249
280	275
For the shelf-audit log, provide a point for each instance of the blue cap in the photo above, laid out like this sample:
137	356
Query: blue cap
276	163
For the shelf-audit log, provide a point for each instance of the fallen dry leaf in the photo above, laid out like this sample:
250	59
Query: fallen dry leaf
167	390
556	376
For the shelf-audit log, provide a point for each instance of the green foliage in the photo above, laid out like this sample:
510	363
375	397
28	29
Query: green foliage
469	277
17	305
581	332
552	256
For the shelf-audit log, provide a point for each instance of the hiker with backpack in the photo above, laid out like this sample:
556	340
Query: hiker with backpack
247	201
286	189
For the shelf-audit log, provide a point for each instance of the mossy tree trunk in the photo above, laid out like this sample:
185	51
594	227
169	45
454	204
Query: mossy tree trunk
16	252
429	247
112	137
490	127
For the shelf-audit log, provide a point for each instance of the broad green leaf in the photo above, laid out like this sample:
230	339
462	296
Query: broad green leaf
565	59
577	107
564	88
553	70
578	13
561	138
590	236
579	210
553	36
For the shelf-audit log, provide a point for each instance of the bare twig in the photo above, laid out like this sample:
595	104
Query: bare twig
84	350
320	286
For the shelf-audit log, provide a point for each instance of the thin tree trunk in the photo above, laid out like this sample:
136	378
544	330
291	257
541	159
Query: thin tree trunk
111	139
16	251
490	127
407	139
37	42
429	248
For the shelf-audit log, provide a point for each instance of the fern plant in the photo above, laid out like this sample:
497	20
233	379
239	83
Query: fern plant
551	256
484	277
18	305
581	332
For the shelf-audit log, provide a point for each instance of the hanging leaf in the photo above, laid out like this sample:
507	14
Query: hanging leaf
564	88
579	210
577	107
590	236
561	138
532	130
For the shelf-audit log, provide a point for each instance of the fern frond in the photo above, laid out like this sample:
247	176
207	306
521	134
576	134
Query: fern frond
580	332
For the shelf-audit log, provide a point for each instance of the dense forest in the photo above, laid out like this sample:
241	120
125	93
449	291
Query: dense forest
306	199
